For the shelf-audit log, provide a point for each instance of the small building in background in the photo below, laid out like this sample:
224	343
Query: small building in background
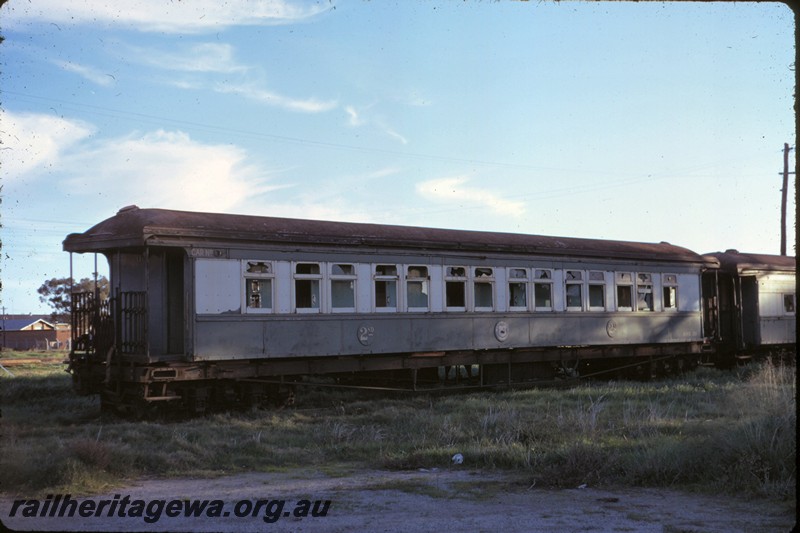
33	332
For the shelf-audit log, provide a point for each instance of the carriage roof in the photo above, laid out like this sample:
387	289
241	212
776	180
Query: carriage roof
133	227
737	262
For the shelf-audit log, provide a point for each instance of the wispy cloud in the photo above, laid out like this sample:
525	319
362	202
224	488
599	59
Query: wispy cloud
357	118
455	191
88	73
354	119
252	92
196	16
392	133
198	57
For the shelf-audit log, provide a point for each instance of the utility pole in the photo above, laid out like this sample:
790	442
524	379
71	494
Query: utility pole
784	192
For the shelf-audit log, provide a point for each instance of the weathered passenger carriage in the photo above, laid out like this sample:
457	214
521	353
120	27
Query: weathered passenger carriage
209	308
751	303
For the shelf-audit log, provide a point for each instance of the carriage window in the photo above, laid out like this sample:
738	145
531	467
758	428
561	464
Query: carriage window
343	291
386	286
574	289
258	285
789	304
455	288
259	293
597	291
670	292
417	287
644	292
306	286
517	289
543	289
483	281
624	291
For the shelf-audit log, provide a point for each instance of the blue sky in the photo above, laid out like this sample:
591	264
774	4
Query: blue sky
612	120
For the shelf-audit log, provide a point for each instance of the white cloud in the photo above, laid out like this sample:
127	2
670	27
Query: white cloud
310	105
195	16
453	190
165	169
31	141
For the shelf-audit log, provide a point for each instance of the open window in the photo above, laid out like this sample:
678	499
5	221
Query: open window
789	302
624	282
307	277
644	291
455	288
385	278
518	289
417	288
543	289
258	285
670	286
597	291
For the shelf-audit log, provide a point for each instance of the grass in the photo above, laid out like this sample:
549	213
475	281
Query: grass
710	430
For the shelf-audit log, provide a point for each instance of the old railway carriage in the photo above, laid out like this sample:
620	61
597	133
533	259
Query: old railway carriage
216	307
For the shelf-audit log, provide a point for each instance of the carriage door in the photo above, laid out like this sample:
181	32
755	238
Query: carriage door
750	323
174	264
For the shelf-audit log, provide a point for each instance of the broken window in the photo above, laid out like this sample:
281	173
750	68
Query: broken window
455	288
543	289
259	267
258	285
670	291
624	281
306	286
259	293
417	287
483	289
574	289
386	286
517	289
343	287
644	292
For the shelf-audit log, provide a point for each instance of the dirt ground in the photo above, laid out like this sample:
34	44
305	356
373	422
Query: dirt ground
426	500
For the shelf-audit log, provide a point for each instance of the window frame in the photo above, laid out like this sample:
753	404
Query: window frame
645	280
669	282
483	280
319	278
332	278
425	280
525	282
793	296
386	278
598	281
545	282
248	276
620	280
449	279
574	282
